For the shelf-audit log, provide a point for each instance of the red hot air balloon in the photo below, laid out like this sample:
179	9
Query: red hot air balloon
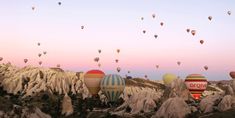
201	41
193	32
188	30
161	23
206	67
196	85
92	80
25	60
232	74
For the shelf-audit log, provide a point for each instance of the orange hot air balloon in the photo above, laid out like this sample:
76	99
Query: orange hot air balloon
178	62
188	30
155	36
118	50
232	74
1	58
210	18
196	85
99	50
161	23
201	41
40	62
193	32
144	31
25	60
206	67
92	80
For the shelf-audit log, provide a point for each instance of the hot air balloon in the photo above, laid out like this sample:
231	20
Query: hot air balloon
39	55
39	44
178	62
193	32
82	27
155	36
232	74
168	78
92	80
112	86
128	71
33	8
161	23
118	50
58	65
153	15
229	12
40	62
116	60
99	64
196	84
206	67
210	18
59	3
146	76
44	52
142	18
99	50
157	66
1	58
96	59
118	69
25	60
188	30
201	41
144	31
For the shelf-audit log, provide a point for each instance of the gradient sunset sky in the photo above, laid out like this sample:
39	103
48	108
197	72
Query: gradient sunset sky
117	24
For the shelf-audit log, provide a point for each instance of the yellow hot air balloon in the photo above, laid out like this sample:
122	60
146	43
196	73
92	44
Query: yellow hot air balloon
168	78
92	80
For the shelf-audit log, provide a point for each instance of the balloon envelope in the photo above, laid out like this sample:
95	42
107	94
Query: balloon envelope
112	86
193	32
92	80
25	60
232	74
1	58
196	84
168	78
201	41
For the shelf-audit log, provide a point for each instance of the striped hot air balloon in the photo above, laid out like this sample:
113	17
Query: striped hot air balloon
112	86
92	80
196	85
